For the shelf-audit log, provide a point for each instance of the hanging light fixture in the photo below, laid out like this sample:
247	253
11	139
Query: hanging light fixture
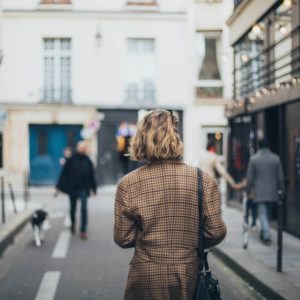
287	3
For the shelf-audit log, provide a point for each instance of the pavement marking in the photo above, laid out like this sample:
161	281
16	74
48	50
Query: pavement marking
48	286
62	245
67	221
56	214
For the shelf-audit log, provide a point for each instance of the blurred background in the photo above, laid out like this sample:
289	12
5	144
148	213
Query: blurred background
89	69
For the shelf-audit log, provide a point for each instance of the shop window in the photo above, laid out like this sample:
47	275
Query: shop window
216	139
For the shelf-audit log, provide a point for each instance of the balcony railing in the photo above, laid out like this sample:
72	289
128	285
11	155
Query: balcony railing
140	93
276	65
61	95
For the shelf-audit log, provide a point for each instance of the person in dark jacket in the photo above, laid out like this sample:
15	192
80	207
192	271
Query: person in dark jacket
265	176
77	179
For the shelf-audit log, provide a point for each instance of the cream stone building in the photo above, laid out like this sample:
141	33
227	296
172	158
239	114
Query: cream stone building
70	66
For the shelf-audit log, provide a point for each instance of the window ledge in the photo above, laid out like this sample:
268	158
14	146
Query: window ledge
136	3
209	83
138	6
57	6
210	101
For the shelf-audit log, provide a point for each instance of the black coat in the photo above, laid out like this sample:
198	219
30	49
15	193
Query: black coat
76	175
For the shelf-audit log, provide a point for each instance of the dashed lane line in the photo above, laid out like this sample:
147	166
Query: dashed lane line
67	221
48	286
62	245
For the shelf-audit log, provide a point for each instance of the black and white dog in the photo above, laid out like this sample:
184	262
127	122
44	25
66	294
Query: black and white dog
37	220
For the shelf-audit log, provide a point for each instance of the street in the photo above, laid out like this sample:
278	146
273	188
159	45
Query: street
66	267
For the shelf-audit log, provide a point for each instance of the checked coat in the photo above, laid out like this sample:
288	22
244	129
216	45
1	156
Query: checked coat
156	212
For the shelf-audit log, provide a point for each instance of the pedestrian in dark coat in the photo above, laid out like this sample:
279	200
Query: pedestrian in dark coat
265	176
77	179
156	212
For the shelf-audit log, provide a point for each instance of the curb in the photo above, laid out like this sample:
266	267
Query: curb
11	229
259	285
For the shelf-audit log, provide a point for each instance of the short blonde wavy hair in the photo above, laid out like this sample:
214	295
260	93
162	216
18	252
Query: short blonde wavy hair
157	137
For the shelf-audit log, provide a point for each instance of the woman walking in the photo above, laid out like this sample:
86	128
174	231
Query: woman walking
156	211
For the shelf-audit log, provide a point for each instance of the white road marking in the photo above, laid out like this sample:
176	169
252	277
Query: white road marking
62	245
48	286
56	214
67	221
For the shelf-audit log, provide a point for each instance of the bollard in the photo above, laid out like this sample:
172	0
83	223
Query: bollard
279	231
2	199
12	197
25	190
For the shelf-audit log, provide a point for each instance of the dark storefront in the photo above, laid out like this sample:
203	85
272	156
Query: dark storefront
112	163
281	126
267	100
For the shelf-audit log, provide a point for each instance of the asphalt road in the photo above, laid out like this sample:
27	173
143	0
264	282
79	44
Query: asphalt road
66	267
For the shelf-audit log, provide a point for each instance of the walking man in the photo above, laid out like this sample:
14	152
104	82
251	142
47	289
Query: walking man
77	179
265	176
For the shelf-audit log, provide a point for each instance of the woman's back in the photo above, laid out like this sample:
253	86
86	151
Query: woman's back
163	201
156	211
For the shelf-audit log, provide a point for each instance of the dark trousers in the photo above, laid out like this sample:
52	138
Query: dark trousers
82	195
251	205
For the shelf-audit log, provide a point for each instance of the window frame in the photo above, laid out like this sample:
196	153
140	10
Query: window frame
58	93
211	83
145	90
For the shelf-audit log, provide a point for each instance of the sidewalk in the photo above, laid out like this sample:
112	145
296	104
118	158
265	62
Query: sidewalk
257	264
14	222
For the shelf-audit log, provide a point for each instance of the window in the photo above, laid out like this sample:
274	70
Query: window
57	70
140	71
217	139
56	2
209	83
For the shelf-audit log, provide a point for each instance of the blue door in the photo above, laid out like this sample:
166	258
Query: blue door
47	143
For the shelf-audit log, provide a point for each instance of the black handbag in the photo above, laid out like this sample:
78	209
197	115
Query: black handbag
207	288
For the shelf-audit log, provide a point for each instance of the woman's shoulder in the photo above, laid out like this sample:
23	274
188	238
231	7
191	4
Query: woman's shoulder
132	176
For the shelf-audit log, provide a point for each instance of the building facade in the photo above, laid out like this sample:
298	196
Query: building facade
212	77
69	64
265	37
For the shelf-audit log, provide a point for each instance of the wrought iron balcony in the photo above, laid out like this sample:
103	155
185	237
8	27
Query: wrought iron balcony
275	66
62	95
140	93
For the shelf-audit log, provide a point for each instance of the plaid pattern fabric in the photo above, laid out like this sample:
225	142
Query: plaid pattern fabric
156	211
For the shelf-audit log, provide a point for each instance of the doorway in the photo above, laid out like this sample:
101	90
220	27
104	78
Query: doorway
47	143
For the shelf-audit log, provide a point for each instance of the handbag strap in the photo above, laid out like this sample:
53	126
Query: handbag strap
201	253
200	248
